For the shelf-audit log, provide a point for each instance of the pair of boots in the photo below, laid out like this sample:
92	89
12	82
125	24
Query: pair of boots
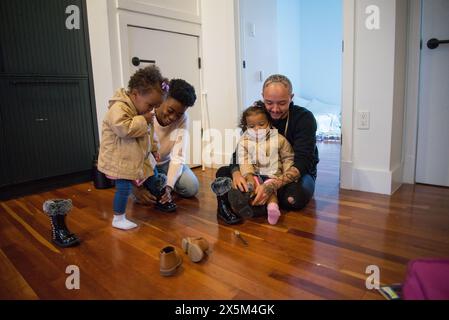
57	210
234	205
221	187
170	260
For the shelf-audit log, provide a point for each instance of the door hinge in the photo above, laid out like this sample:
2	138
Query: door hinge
199	63
343	46
244	64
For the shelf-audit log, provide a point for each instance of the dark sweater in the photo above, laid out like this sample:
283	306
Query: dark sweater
301	134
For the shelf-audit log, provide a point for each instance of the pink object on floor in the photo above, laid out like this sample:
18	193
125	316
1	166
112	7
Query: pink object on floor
427	279
273	213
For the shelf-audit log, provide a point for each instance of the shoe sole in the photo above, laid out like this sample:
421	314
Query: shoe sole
240	204
73	244
229	223
166	211
192	250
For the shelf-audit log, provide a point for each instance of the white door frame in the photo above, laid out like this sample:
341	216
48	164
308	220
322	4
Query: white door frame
411	116
239	54
347	96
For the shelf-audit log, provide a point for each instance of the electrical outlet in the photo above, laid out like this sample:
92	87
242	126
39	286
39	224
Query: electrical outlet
364	120
252	30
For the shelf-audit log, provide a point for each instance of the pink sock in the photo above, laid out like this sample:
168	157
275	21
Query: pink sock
273	213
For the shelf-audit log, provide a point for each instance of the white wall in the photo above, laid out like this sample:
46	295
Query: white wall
379	89
260	51
219	71
321	31
97	15
289	38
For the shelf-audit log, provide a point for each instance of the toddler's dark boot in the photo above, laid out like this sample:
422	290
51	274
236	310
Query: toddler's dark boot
165	207
221	187
240	203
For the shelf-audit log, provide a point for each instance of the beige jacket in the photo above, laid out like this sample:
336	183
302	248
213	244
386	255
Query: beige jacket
271	157
126	141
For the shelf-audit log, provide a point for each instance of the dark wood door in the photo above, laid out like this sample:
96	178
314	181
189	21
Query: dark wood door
49	127
48	122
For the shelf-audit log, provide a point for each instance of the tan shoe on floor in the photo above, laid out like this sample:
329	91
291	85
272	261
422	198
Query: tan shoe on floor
195	248
170	261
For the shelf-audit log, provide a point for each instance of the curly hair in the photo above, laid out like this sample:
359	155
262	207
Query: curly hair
257	108
183	92
279	78
147	79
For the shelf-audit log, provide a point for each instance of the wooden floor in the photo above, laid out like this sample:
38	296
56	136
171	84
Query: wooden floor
319	253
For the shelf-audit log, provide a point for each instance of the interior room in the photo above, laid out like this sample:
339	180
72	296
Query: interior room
127	126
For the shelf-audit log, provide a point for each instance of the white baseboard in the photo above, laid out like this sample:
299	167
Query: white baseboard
370	180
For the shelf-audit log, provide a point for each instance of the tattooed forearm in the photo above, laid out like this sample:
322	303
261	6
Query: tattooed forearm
270	189
291	175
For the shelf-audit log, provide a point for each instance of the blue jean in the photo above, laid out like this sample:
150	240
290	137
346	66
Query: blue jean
187	185
123	189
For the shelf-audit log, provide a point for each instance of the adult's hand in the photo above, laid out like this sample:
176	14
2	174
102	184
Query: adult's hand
143	196
263	193
166	196
239	182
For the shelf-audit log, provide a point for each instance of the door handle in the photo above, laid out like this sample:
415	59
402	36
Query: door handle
435	43
41	119
136	61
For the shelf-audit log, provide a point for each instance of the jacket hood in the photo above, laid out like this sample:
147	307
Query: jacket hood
121	96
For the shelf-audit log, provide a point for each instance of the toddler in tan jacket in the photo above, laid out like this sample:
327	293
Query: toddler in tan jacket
128	144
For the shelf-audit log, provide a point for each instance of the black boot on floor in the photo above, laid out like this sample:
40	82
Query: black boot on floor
221	187
57	210
225	212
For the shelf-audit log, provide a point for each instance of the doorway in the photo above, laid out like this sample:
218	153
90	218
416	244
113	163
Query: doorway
303	40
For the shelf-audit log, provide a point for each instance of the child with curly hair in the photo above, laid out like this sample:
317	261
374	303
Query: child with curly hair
128	148
262	154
